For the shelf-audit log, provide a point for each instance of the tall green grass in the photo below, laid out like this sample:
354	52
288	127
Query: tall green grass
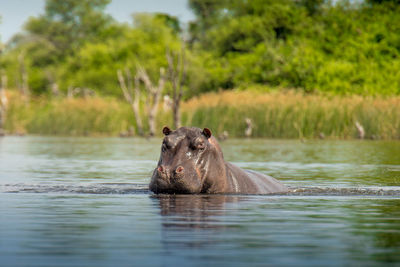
274	115
77	117
294	115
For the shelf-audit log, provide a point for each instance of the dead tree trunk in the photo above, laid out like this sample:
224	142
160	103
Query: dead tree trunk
24	76
133	100
249	127
360	130
3	103
54	89
153	95
177	70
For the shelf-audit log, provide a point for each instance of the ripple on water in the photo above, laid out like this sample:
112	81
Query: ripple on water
141	188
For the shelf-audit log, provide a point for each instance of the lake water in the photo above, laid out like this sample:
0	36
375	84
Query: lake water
84	202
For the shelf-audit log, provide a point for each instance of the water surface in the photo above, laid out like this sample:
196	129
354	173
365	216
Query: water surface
84	202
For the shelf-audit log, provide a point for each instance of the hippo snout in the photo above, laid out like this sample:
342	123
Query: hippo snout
166	174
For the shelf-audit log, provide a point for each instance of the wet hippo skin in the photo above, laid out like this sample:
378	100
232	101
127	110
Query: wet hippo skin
192	162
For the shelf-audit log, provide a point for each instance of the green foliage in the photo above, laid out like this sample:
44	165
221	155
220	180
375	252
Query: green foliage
170	21
52	37
68	24
95	64
341	47
311	45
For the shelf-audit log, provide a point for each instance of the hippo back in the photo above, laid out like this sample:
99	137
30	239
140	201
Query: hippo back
250	182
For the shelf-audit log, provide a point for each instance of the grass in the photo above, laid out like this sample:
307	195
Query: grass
274	115
76	117
296	115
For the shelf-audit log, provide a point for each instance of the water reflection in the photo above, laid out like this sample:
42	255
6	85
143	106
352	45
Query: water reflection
193	216
264	229
381	221
193	211
60	231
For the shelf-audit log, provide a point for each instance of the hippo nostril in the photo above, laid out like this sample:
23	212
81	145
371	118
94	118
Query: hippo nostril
179	169
163	172
160	168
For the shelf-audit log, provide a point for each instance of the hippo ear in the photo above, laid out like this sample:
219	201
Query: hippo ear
207	132
166	130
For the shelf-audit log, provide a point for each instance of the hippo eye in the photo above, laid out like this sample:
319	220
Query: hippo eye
201	146
164	147
197	144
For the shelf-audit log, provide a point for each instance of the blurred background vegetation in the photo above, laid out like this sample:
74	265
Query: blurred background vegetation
318	67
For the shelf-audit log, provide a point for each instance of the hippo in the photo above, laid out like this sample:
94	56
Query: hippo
192	162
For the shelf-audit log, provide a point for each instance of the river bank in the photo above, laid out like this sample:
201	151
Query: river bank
272	115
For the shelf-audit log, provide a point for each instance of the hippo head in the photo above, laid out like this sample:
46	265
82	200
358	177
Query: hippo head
189	157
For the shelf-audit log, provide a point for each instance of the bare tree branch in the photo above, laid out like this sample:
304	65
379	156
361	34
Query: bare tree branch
145	78
3	103
129	78
153	95
24	76
177	72
122	84
133	101
136	108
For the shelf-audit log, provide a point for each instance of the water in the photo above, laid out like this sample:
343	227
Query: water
84	202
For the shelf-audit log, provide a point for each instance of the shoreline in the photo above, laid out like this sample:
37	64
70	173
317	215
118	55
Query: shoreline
273	115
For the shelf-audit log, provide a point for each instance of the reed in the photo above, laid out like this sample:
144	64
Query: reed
274	115
76	117
295	115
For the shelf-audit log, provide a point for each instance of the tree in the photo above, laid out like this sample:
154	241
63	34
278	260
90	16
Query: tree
50	38
3	102
152	95
94	64
68	24
312	6
177	72
245	37
132	96
378	2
